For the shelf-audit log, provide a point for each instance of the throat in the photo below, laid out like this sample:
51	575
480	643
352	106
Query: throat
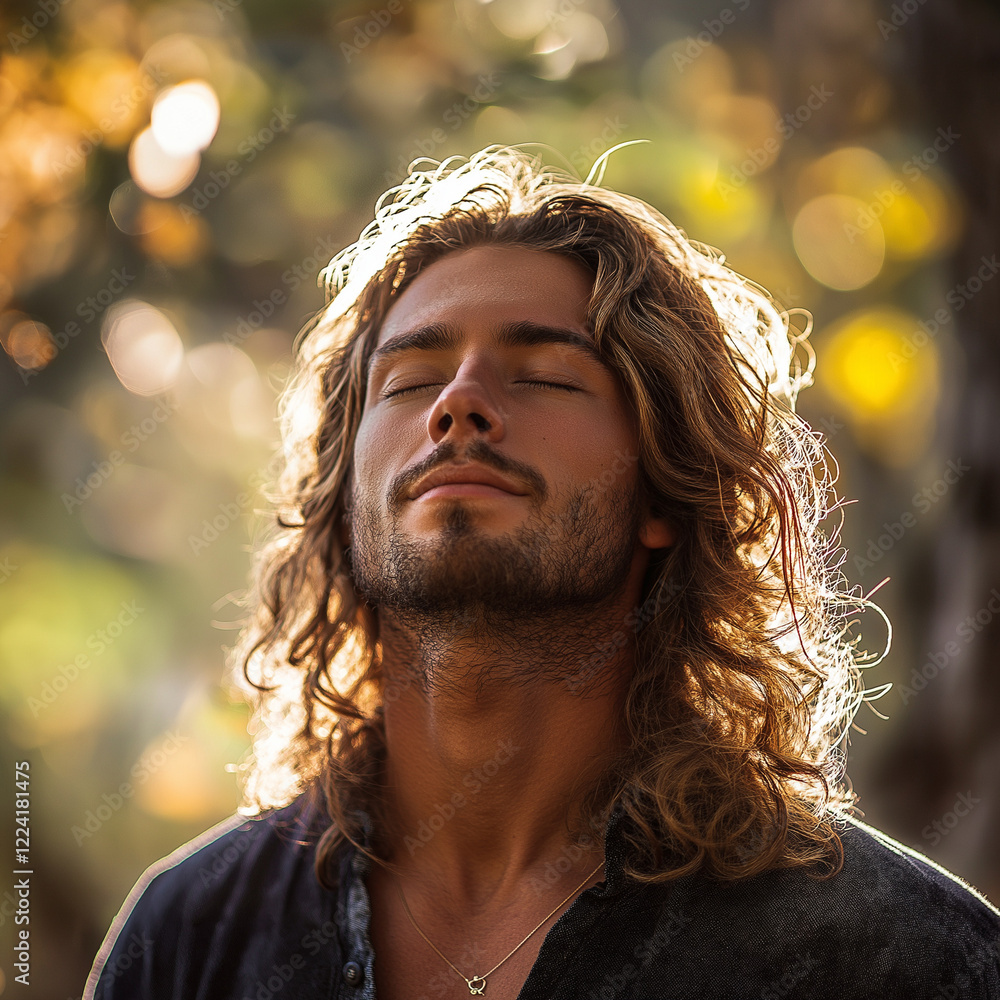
481	650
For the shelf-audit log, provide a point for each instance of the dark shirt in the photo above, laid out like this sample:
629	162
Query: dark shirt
238	914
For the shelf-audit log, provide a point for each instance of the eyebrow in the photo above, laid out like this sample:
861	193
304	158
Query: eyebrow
525	333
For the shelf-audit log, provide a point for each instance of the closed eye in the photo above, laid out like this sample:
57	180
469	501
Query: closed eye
551	385
406	389
395	393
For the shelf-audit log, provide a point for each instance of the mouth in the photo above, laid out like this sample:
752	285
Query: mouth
465	490
465	480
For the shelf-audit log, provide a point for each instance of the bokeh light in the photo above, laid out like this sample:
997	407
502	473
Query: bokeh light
185	118
30	344
157	171
108	88
832	249
138	415
143	346
884	372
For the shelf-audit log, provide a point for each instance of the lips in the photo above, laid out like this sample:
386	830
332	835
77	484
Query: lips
466	473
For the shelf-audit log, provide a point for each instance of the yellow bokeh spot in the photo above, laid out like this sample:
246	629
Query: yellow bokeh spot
158	172
920	221
174	780
917	216
863	373
29	344
720	211
877	365
882	369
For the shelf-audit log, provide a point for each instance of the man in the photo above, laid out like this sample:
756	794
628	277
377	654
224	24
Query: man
553	668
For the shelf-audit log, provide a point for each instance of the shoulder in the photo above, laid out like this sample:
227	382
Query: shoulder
892	896
231	884
926	905
910	920
882	874
890	924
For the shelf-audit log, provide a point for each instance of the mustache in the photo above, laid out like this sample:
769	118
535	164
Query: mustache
479	451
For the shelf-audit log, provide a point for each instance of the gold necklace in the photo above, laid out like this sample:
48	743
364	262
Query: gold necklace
477	984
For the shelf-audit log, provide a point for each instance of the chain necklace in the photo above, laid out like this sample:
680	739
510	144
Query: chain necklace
477	984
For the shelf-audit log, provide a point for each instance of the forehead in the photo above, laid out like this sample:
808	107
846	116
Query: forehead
487	285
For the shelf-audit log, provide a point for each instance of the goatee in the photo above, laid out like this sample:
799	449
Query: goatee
545	593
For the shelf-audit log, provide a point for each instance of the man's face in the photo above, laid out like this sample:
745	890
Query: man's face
483	371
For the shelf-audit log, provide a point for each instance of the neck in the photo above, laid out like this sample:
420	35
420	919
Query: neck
495	741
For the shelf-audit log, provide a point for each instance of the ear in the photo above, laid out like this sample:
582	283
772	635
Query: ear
657	533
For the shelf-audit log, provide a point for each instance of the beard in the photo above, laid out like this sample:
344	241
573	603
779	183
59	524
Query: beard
534	601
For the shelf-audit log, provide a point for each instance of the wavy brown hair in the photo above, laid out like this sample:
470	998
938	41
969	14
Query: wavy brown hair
746	676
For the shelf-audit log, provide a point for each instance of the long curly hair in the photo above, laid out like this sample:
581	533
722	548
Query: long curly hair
746	673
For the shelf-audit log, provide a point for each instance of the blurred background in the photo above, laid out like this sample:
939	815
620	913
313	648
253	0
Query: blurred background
173	176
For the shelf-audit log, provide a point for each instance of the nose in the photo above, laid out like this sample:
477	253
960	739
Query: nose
466	409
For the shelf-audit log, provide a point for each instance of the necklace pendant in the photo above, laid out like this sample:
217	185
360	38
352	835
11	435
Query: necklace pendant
476	985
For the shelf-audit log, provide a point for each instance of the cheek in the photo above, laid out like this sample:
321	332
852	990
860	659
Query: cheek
607	446
378	455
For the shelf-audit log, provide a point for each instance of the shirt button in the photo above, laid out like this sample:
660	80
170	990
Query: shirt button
353	973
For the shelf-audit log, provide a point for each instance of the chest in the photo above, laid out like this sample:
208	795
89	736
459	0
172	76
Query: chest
408	968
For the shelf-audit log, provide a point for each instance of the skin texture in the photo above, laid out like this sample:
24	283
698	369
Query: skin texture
488	601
